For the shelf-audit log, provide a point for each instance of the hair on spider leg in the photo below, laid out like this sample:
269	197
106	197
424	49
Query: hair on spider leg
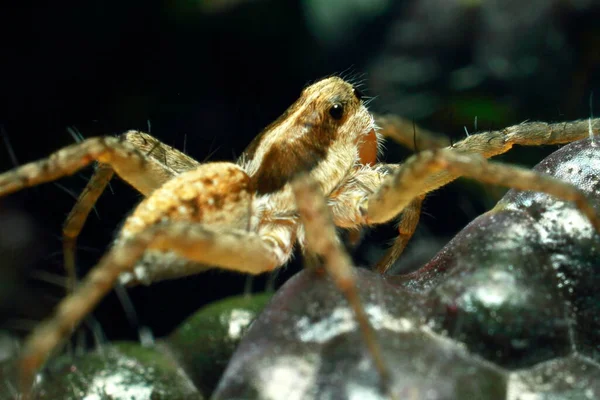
140	135
8	145
87	179
214	151
49	277
75	134
74	196
450	117
66	190
98	335
78	137
156	146
78	345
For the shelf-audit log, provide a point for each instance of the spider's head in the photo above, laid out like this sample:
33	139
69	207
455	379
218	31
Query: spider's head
332	109
326	131
342	116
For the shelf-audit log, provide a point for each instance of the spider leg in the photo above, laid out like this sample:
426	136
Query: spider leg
166	163
414	179
347	212
128	162
236	250
321	238
493	143
406	229
76	219
485	144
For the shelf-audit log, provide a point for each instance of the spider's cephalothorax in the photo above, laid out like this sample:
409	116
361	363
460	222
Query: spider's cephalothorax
322	133
327	133
311	170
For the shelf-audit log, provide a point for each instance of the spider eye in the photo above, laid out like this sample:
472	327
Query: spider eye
359	95
336	111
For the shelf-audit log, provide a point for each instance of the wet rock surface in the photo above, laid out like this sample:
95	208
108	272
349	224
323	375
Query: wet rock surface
117	371
566	378
506	310
204	343
306	345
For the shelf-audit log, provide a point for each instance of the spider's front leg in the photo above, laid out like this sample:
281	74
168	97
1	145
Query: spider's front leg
424	171
321	239
485	144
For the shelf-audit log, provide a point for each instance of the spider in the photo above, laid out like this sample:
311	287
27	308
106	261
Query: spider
313	169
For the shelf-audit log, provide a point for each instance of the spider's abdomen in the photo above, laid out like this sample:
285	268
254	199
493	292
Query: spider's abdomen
217	194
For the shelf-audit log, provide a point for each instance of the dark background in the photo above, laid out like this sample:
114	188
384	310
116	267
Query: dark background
207	76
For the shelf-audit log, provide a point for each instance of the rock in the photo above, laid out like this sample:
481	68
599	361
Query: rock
506	309
119	371
205	342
